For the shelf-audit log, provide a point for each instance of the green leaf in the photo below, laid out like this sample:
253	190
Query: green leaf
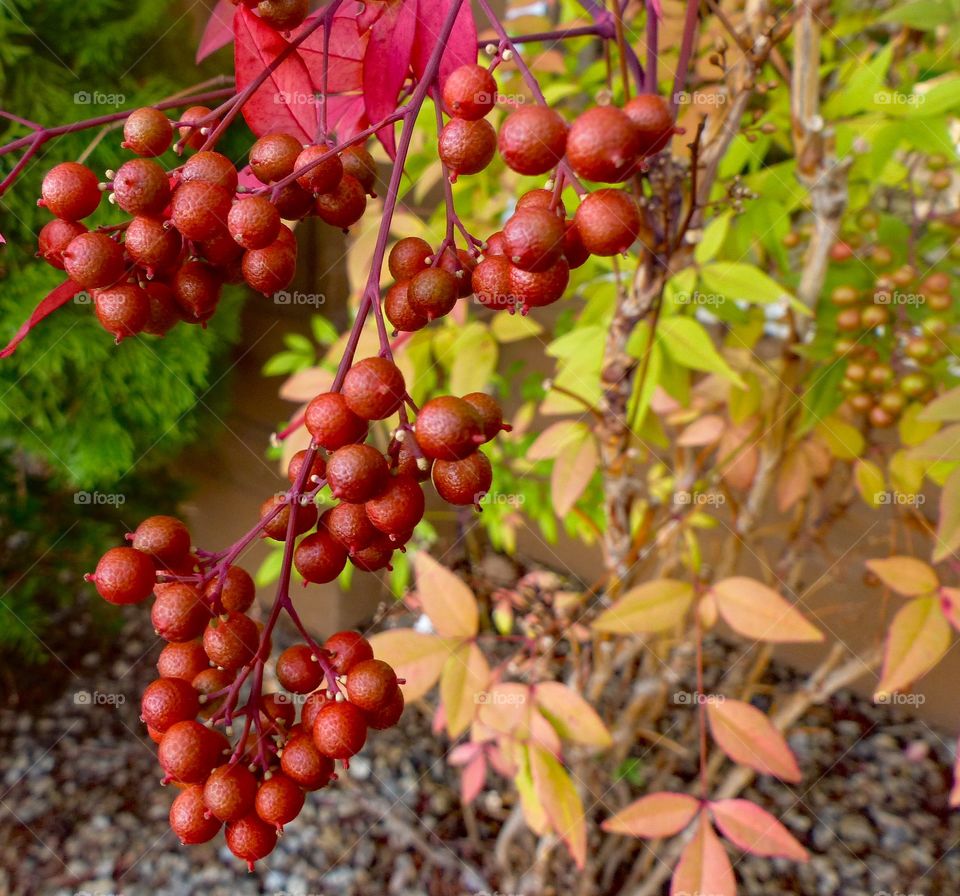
475	356
514	327
324	332
712	240
735	281
688	343
860	83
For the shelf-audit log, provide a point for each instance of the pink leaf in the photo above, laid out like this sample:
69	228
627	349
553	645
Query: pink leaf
747	736
654	815
955	792
461	47
472	778
752	609
755	830
286	102
386	65
218	31
347	46
56	299
703	869
3	242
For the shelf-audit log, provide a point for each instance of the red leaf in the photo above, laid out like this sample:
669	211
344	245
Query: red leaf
56	299
755	830
703	869
386	65
472	778
286	102
347	46
219	30
747	736
3	242
461	47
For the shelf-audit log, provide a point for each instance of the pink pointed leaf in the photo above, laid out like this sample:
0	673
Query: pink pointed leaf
752	609
654	815
346	47
704	868
755	830
472	779
386	65
56	299
218	31
747	736
461	48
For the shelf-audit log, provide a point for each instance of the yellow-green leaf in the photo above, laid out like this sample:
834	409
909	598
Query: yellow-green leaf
689	344
843	439
869	479
739	282
905	575
448	602
560	802
572	717
948	527
650	607
465	677
919	636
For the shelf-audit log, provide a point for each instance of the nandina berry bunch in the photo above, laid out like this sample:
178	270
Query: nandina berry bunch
253	780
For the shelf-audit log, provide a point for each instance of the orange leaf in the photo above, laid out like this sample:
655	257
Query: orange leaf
554	439
755	830
747	736
656	815
919	636
905	575
571	715
572	471
793	480
560	802
304	385
703	869
415	657
650	607
704	431
948	526
465	675
738	456
756	611
506	709
448	602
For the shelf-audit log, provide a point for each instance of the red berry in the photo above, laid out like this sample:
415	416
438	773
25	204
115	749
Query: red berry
356	473
358	163
199	209
374	388
317	471
349	524
93	260
322	177
651	115
298	671
164	311
573	249
279	800
608	222
469	92
284	15
412	463
230	791
188	817
184	660
534	239
408	257
254	222
331	422
491	282
346	649
211	681
447	428
371	685
271	269
167	701
165	538
461	264
545	199
533	139
189	751
378	553
488	412
238	590
467	147
433	293
311	706
388	714
251	839
197	287
303	763
122	310
274	157
344	205
54	237
404	317
277	527
604	145
189	131
231	643
212	168
319	558
495	245
141	187
124	576
340	730
179	613
398	509
463	482
151	244
293	202
147	132
70	190
536	289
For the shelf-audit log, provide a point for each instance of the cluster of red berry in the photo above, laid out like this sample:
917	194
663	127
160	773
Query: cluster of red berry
190	230
257	785
527	263
380	495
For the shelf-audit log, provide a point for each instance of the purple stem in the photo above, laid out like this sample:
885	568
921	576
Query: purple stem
328	15
606	29
690	32
653	45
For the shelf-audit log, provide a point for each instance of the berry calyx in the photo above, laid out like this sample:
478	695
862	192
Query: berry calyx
374	388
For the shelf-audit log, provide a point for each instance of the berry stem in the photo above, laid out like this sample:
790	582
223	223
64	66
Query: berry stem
652	37
690	31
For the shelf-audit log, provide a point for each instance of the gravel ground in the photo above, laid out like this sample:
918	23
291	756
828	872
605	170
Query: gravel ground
82	811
